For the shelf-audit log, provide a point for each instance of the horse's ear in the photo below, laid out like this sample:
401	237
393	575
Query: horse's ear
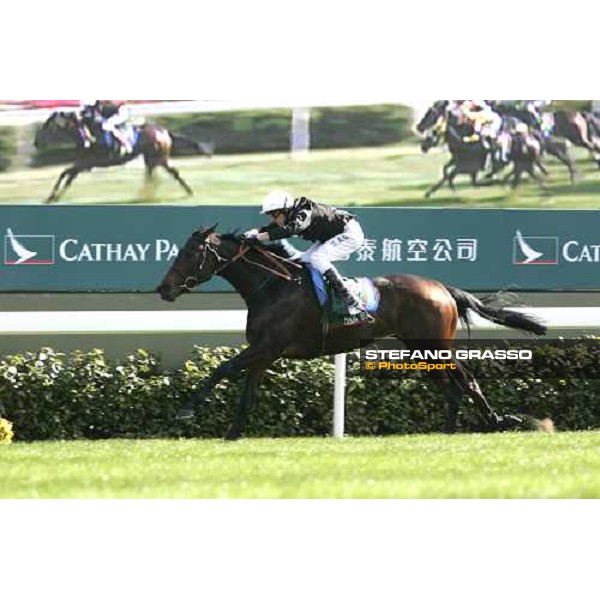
210	230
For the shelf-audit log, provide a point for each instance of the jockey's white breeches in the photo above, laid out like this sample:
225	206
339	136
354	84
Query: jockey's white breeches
491	127
112	123
340	247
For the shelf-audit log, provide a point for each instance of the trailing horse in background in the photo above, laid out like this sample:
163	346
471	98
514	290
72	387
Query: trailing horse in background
153	142
557	147
466	158
285	320
526	153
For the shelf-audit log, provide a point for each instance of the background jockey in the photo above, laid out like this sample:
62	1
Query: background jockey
486	122
336	234
111	115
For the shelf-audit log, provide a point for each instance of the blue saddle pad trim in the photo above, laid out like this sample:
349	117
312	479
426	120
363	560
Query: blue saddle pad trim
321	290
135	137
319	284
107	139
132	134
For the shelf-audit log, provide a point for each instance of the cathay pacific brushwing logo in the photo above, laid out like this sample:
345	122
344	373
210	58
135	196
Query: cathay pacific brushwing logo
28	249
535	250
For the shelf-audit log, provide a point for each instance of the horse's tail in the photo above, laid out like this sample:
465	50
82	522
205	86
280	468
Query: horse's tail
182	141
501	316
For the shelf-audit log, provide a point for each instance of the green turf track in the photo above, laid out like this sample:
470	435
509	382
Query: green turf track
389	176
526	465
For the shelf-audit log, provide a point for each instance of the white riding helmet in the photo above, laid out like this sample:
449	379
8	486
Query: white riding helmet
277	200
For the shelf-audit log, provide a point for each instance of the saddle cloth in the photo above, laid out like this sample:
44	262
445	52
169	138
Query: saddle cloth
131	134
338	312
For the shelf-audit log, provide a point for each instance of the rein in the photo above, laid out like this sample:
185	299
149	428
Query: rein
279	270
275	260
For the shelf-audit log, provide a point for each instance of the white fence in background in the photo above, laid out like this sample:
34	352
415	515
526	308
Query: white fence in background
19	117
234	321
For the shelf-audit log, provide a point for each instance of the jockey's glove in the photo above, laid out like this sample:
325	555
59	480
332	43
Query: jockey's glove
252	234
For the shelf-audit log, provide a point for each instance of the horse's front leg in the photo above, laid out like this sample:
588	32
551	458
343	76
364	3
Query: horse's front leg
53	197
440	183
70	174
251	358
224	371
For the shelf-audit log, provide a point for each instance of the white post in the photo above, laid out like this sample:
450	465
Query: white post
300	132
339	396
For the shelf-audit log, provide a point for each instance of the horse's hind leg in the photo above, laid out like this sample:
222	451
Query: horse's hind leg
561	152
537	178
453	393
493	420
541	166
149	187
517	176
451	179
175	173
254	377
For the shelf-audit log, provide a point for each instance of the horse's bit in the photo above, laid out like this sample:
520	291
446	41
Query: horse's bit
192	281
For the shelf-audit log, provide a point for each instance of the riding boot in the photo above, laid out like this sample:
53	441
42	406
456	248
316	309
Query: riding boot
344	292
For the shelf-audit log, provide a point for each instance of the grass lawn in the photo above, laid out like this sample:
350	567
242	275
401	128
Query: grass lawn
389	176
519	465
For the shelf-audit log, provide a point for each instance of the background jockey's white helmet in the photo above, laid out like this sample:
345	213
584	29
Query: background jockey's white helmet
277	200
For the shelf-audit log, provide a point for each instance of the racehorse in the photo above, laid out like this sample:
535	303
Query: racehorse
526	151
154	143
575	126
466	158
285	320
551	145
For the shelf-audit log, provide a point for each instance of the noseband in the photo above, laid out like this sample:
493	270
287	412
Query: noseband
191	281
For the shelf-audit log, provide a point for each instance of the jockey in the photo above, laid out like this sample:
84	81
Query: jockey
529	111
486	122
336	234
111	115
533	107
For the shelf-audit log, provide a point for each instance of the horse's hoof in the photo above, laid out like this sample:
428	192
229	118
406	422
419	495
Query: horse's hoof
512	421
185	414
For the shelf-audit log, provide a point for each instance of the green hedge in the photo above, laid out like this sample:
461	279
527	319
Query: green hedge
83	395
7	146
269	131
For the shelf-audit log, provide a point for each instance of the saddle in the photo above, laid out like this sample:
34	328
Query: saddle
130	133
96	135
336	312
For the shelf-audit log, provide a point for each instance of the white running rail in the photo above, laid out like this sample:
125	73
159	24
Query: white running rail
131	322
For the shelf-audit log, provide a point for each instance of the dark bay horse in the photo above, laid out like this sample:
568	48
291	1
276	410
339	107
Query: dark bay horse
576	126
154	144
554	146
285	320
466	158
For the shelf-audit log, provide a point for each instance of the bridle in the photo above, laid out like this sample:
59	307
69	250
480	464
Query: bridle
191	281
